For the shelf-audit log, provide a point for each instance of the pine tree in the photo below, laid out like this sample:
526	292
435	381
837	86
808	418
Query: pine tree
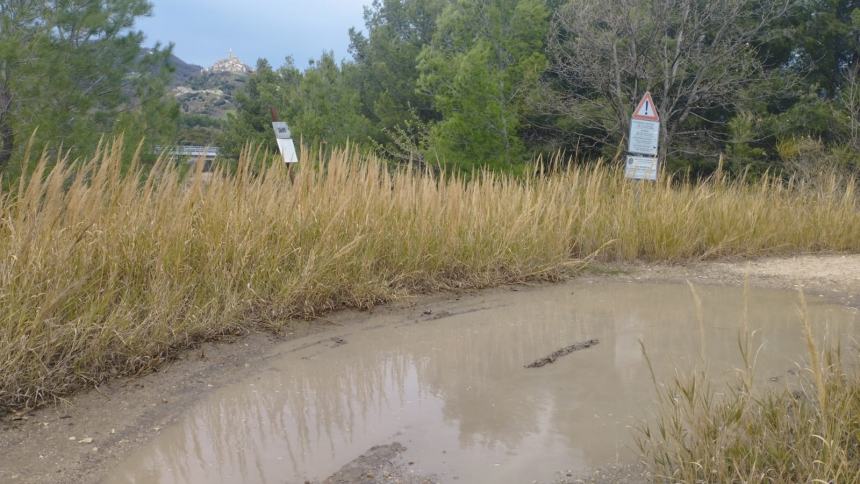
73	69
485	57
385	59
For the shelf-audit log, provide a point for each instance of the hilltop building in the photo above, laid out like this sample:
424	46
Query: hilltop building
231	65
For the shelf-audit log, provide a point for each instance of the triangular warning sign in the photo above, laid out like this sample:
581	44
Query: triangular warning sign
646	111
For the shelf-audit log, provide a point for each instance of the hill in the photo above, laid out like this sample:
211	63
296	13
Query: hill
208	92
183	72
206	96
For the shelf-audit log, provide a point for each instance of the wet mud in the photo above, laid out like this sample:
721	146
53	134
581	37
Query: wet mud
441	394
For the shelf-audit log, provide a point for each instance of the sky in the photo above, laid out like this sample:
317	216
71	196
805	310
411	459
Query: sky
204	31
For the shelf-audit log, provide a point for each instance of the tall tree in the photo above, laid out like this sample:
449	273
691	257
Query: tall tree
251	123
321	105
327	107
385	59
72	68
695	56
485	57
825	41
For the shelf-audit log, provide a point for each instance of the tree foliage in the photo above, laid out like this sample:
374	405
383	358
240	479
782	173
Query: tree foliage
75	70
467	83
385	59
694	56
321	105
497	83
483	59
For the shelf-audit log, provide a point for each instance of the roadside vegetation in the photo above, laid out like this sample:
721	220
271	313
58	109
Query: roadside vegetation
767	85
105	273
807	432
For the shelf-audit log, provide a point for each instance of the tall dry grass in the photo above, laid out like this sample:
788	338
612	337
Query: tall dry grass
104	273
806	432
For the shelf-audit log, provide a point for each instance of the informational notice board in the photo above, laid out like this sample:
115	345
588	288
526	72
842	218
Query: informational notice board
644	137
641	168
285	142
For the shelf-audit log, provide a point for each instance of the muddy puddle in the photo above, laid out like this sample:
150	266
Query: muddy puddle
451	386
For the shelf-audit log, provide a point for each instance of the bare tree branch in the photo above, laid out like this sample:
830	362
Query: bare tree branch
693	55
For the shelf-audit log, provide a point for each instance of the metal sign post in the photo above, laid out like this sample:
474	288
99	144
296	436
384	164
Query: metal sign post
644	141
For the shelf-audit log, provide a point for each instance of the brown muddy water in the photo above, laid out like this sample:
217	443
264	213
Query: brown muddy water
451	386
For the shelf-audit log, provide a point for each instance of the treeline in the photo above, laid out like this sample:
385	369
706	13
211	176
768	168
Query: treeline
73	72
771	84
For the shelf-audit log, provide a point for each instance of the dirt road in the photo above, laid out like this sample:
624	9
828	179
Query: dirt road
80	439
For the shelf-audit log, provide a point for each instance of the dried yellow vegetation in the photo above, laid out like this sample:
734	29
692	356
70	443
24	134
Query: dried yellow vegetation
105	273
808	432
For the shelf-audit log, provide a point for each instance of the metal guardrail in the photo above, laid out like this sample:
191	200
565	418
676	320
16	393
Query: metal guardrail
189	151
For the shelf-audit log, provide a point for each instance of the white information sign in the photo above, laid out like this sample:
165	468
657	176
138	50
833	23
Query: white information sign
641	168
288	151
644	137
282	131
285	142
